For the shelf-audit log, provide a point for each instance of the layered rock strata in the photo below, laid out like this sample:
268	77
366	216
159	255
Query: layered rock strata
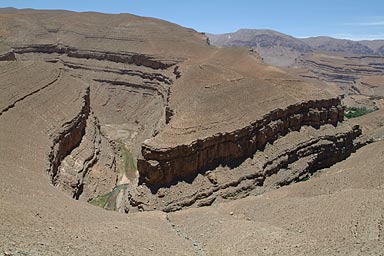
32	78
6	54
161	167
90	168
341	69
291	158
69	138
118	57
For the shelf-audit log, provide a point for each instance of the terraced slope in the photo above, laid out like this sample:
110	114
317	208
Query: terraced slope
335	65
85	95
356	77
180	98
129	75
38	219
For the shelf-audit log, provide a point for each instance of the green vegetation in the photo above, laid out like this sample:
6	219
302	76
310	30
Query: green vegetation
129	162
128	169
108	201
102	200
352	112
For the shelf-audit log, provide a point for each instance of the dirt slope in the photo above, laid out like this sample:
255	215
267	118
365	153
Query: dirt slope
338	212
339	66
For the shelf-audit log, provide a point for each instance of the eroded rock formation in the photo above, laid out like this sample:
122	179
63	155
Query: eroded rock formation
291	158
77	102
341	69
90	167
70	137
186	110
164	167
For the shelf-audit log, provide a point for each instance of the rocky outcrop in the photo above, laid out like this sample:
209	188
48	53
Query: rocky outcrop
289	165
7	56
133	74
154	77
161	167
6	53
119	57
69	138
82	162
90	169
160	90
290	158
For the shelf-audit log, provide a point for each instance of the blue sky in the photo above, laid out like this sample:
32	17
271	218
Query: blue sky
352	19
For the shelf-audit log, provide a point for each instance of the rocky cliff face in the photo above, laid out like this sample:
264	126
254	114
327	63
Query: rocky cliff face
291	158
163	167
7	56
90	168
69	138
6	53
119	57
128	81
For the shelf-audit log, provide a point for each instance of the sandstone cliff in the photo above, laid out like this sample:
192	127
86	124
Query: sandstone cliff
291	158
164	167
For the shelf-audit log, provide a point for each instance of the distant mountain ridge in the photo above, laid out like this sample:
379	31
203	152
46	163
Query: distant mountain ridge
280	49
324	43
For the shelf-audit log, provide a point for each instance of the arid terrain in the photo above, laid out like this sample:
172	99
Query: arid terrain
353	69
125	135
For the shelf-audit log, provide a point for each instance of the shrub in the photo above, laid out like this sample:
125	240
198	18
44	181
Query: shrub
352	112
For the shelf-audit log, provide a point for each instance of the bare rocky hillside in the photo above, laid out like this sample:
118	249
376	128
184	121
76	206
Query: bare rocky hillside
124	135
281	50
349	68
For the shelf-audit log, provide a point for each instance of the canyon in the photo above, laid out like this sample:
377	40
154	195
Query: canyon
124	135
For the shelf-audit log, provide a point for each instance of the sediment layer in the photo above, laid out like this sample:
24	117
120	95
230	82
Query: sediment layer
161	167
90	169
119	57
342	69
69	138
290	158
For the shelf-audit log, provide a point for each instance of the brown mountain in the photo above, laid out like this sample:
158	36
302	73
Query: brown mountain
341	64
281	50
274	47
